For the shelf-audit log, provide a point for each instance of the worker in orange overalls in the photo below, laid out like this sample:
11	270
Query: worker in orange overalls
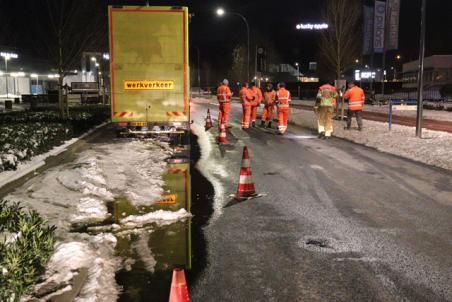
356	98
282	99
224	95
257	93
269	105
246	98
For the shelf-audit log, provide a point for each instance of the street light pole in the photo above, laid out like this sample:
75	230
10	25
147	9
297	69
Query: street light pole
420	80
221	12
199	69
298	79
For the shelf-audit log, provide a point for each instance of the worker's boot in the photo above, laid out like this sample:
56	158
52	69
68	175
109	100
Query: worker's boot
253	124
262	123
269	125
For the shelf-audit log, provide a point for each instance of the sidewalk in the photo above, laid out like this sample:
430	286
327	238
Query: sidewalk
435	148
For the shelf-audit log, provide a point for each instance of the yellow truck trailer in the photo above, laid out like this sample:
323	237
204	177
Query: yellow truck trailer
150	87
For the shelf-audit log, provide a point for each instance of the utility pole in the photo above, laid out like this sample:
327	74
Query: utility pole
420	80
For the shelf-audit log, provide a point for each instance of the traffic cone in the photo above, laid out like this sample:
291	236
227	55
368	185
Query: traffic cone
222	140
179	289
245	188
209	123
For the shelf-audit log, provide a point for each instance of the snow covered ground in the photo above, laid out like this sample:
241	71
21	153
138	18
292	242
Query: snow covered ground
428	114
78	192
435	148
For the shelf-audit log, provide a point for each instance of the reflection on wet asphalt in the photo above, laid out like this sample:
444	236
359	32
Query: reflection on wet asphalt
152	252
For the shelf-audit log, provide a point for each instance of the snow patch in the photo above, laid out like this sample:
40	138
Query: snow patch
90	209
160	217
96	257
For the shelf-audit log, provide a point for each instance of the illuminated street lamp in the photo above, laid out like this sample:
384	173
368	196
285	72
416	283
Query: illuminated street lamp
398	57
93	59
357	61
7	56
221	12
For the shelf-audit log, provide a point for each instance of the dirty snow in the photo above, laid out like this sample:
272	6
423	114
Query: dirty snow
159	217
435	148
38	161
80	191
96	257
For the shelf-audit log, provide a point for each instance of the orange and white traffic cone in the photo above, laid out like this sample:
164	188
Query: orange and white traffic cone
245	189
209	123
179	289
222	139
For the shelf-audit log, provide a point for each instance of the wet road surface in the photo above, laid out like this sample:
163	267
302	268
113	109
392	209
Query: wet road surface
340	222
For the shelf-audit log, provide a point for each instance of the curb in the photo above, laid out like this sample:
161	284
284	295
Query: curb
39	161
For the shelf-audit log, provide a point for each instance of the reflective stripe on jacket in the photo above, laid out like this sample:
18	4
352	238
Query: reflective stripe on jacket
246	96
327	95
224	94
355	96
283	97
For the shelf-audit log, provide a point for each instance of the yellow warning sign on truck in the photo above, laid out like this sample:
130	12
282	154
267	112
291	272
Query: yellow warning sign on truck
168	199
148	85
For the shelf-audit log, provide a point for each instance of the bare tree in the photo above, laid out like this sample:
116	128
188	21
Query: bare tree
68	28
238	68
341	43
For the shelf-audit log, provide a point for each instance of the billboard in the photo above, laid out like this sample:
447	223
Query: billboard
368	29
393	24
379	26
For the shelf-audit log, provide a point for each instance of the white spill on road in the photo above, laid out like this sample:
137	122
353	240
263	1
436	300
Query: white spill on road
212	169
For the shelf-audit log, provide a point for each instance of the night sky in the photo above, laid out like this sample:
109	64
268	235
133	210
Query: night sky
270	21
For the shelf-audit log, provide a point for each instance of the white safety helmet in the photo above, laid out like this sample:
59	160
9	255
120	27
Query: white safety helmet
226	82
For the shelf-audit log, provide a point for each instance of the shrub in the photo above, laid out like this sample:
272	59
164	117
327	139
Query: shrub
26	243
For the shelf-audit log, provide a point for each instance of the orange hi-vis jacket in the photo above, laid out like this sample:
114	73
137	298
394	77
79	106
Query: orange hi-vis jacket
269	98
283	98
257	93
356	98
224	94
246	96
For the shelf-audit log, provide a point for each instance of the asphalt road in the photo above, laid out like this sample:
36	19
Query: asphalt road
340	222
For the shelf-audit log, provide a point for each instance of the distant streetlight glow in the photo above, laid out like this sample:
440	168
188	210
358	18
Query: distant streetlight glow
7	56
33	75
51	76
106	56
309	26
356	61
93	59
398	57
220	11
97	64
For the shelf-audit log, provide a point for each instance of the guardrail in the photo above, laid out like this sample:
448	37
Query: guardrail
400	105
